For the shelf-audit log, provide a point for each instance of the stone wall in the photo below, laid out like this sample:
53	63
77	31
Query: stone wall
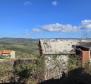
55	53
55	65
54	46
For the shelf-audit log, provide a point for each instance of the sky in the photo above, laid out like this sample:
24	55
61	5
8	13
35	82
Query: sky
45	18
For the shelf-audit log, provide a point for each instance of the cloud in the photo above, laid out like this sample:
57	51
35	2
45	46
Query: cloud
54	3
27	3
58	27
86	24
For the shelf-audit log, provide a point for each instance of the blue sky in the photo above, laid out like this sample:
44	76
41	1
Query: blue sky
45	18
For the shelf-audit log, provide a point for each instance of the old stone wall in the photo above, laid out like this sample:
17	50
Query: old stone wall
54	46
55	65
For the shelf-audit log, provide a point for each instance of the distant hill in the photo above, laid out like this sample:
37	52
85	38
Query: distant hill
25	48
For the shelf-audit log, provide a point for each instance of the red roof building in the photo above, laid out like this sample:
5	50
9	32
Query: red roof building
6	53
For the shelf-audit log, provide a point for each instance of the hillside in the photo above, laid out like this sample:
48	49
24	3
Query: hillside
25	48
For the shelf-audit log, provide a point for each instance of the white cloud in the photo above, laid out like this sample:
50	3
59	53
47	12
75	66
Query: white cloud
58	27
27	3
54	3
86	24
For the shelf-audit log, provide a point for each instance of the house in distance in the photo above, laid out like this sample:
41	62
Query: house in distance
7	54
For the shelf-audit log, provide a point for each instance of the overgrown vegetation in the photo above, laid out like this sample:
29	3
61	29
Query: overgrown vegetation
26	72
6	70
74	62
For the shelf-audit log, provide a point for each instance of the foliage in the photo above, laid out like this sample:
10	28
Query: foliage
25	48
25	72
5	71
74	62
40	68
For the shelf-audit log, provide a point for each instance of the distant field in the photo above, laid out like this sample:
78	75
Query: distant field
25	48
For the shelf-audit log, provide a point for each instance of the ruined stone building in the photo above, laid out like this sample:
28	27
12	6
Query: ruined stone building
56	54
